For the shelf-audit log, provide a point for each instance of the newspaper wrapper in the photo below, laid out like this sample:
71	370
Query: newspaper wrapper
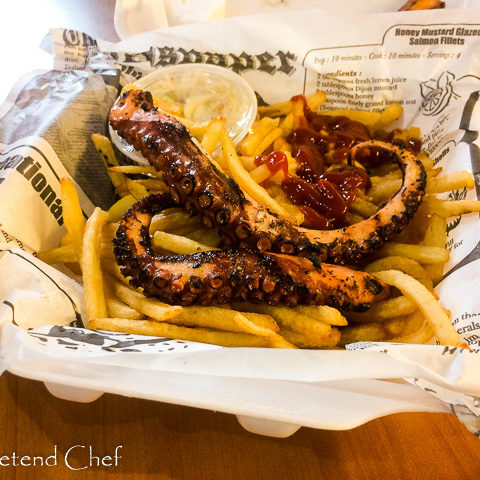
425	61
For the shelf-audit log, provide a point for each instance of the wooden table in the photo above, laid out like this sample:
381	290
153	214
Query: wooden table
171	442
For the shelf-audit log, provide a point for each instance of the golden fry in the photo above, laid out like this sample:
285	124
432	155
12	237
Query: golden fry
435	236
115	307
395	326
253	139
301	340
172	219
363	207
276	109
323	313
384	310
119	208
163	329
136	189
63	254
426	302
406	265
104	148
178	244
382	191
289	318
420	253
369	332
219	319
451	208
389	115
206	237
210	139
316	100
95	305
148	306
418	336
72	215
452	181
267	141
245	181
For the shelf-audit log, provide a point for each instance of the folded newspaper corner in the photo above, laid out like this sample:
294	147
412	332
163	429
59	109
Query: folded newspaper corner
45	127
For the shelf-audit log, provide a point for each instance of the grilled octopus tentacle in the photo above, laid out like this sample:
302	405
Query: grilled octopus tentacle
234	275
196	184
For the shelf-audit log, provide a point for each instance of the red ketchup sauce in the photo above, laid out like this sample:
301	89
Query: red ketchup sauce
318	142
321	141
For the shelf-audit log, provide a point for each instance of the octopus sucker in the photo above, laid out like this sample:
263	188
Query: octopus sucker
223	276
194	180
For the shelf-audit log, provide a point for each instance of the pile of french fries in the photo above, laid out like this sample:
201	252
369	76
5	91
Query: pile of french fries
413	263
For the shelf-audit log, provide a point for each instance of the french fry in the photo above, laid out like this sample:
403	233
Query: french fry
420	253
305	341
163	329
413	322
253	139
148	306
72	215
267	141
287	125
276	109
115	307
95	305
281	145
384	310
426	160
136	189
395	326
262	320
351	218
389	115
208	238
243	178
316	100
219	319
381	192
322	313
171	219
452	181
261	173
62	254
289	318
419	336
153	184
415	230
178	244
372	332
363	207
426	302
210	139
370	119
248	163
111	267
406	265
435	236
298	113
104	148
451	208
119	208
395	175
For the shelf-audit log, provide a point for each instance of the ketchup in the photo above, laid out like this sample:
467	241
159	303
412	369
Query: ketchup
320	141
